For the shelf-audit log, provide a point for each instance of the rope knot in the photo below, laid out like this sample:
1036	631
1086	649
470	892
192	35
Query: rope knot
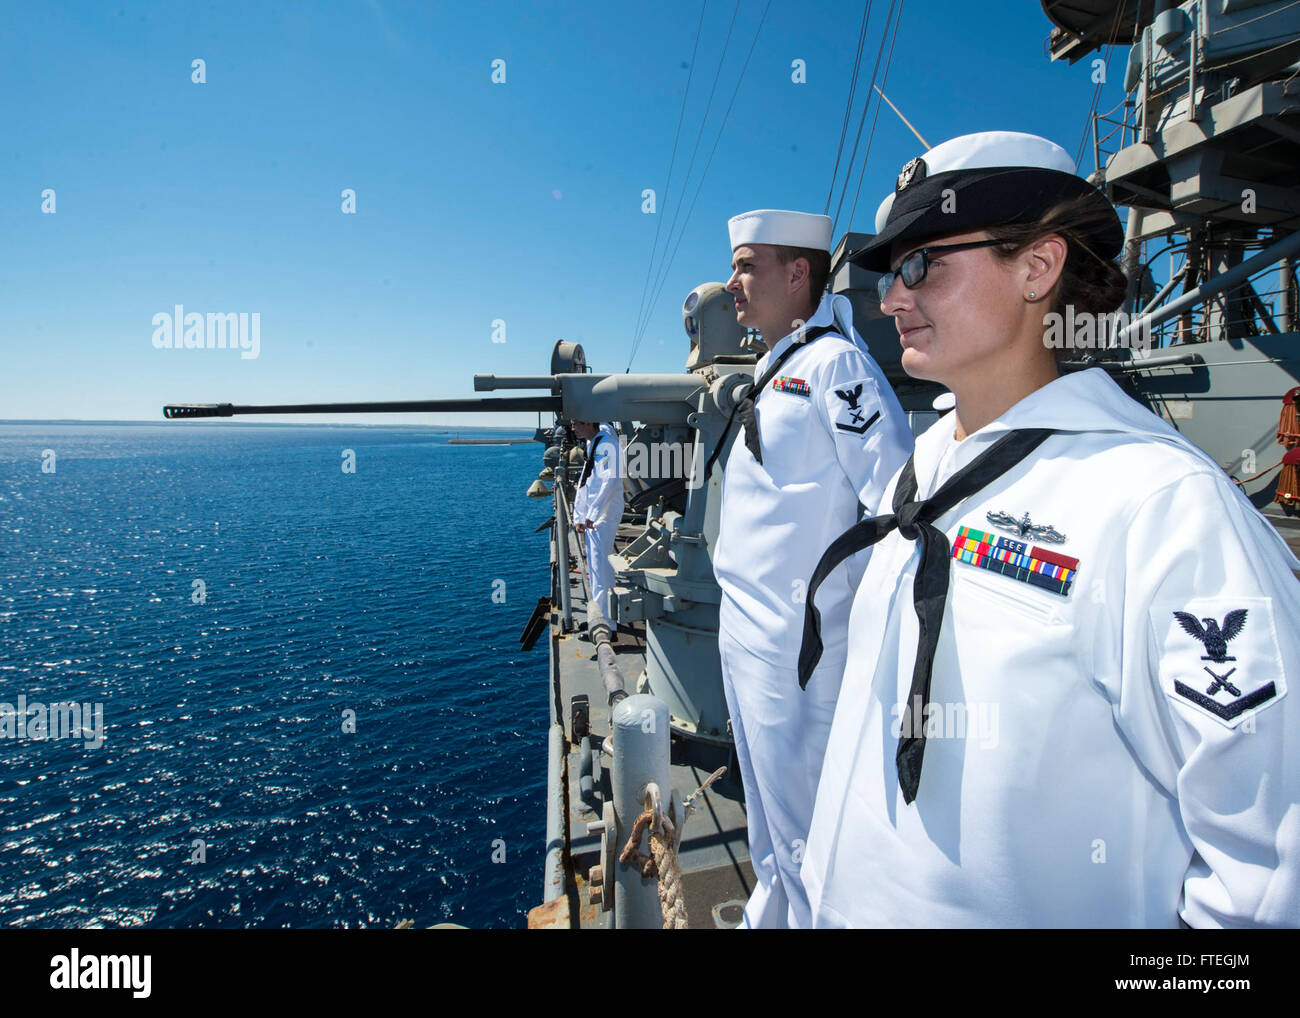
907	514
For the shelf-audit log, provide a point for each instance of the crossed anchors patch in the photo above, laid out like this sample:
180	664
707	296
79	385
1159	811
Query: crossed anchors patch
1221	658
853	418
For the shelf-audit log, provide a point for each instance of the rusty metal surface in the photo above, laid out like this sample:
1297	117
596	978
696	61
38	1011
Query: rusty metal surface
552	915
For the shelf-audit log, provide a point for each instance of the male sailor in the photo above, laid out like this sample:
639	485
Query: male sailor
598	509
820	433
1067	696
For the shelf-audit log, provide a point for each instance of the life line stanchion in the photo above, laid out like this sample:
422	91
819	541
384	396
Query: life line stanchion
662	862
562	555
641	747
665	839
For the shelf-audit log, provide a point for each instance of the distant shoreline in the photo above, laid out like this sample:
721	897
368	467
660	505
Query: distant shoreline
521	433
488	441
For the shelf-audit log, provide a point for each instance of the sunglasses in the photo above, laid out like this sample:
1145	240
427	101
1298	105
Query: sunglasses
917	264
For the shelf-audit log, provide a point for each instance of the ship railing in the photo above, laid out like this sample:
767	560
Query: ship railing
562	527
1251	311
553	881
1145	107
1230	292
1119	121
600	633
1262	313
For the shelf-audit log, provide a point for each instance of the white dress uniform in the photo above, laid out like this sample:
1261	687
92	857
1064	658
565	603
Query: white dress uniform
832	433
580	495
1109	739
601	500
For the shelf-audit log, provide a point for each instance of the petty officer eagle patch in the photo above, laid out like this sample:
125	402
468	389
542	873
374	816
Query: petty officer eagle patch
847	410
1220	656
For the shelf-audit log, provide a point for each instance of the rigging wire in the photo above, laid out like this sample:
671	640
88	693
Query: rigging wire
875	70
1096	92
848	106
1092	112
1268	14
681	117
703	176
644	314
1175	246
871	137
712	152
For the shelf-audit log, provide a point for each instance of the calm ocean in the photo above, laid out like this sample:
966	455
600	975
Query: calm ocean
227	792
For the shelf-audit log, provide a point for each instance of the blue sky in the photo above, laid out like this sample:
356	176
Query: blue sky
475	201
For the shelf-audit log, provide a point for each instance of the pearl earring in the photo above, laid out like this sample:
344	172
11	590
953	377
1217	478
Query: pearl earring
1032	295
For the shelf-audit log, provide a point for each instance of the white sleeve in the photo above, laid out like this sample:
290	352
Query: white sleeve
869	429
605	485
580	503
1209	616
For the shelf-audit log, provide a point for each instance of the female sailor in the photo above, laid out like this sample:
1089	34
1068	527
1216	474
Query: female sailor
1065	702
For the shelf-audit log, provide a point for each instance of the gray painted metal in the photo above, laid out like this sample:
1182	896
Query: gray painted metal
1282	249
553	881
1165	291
1227	402
491	383
561	544
650	399
587	772
641	751
611	675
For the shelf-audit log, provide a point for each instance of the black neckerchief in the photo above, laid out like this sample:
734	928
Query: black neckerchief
591	458
745	408
914	520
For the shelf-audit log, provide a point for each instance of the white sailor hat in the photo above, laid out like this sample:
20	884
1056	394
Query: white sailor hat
777	226
993	178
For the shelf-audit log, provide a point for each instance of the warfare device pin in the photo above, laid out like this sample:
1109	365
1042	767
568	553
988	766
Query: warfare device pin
1025	527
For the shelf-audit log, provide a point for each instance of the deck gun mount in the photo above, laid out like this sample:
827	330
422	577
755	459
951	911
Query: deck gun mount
669	425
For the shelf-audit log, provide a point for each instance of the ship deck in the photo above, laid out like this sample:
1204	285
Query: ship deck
714	853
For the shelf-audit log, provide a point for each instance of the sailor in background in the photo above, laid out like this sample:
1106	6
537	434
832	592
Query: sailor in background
820	432
598	508
1067	697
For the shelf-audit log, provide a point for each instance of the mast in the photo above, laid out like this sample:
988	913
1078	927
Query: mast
1205	148
1204	151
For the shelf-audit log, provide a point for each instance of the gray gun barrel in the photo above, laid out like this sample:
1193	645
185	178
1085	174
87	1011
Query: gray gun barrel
177	411
649	399
490	383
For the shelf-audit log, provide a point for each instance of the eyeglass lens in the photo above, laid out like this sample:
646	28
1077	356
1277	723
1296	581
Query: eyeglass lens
912	270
